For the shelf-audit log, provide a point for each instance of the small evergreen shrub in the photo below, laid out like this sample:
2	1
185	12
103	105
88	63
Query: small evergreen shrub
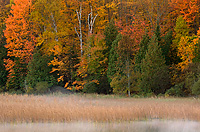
42	87
176	90
90	87
196	88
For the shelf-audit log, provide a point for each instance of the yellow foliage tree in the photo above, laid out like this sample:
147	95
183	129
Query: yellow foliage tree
186	51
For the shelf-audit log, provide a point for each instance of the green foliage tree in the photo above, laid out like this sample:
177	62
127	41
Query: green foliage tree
113	56
42	87
196	88
16	82
39	71
3	73
154	73
3	54
110	33
166	46
124	65
142	51
4	11
197	53
184	80
92	67
157	33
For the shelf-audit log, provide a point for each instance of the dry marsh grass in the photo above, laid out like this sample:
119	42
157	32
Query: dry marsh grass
24	108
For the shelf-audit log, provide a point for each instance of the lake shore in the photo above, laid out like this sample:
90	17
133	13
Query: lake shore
135	126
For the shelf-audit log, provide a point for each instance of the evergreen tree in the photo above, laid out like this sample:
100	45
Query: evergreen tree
164	43
121	81
16	82
38	70
154	76
113	56
96	60
3	53
4	11
158	34
110	35
166	47
142	51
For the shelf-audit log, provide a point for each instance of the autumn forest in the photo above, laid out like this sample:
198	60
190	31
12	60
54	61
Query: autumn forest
125	47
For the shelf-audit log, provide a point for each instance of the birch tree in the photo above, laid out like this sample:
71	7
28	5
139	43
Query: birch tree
80	35
91	21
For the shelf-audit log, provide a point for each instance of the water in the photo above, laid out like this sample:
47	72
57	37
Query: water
137	126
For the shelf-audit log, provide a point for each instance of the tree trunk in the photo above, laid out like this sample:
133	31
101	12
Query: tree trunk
80	31
128	77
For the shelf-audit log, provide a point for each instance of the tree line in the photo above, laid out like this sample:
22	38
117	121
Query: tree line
133	47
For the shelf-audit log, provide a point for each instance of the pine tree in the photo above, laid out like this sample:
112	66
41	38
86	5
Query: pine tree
3	53
154	76
38	70
110	35
113	56
121	81
17	76
158	34
166	46
142	51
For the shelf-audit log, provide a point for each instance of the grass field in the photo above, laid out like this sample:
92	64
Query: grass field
94	108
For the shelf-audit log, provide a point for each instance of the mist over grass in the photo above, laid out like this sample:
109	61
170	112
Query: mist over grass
138	126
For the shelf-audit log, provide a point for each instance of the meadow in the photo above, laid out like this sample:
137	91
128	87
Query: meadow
94	108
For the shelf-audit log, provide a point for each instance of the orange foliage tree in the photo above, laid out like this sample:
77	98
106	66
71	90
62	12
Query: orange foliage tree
189	9
20	36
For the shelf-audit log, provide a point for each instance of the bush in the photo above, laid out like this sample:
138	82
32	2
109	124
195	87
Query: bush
196	88
90	87
177	90
12	91
42	87
30	90
2	89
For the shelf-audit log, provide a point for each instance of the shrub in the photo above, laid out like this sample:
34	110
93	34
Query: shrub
30	90
90	87
177	90
42	87
12	91
196	88
2	89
